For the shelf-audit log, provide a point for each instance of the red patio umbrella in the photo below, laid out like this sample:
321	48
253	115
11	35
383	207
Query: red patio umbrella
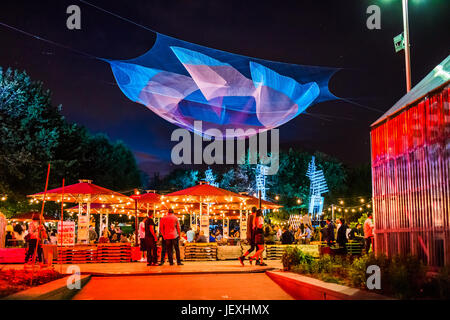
83	192
28	216
205	193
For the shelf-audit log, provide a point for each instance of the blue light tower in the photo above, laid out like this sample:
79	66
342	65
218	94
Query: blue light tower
210	178
261	172
317	187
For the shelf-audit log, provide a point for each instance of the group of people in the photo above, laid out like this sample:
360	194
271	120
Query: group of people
345	233
32	235
169	235
112	235
255	238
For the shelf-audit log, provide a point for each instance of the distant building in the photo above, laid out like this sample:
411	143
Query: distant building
411	172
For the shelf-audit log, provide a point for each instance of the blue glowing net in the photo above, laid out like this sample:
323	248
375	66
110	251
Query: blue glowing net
184	82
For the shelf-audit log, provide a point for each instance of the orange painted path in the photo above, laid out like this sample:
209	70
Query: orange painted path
250	286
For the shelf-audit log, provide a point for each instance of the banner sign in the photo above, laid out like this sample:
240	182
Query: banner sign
204	225
243	227
83	228
67	230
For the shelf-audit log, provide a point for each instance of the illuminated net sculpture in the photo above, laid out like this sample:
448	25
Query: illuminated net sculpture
318	186
183	82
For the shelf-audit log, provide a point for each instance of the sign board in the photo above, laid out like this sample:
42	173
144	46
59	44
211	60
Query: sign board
243	226
226	228
399	42
204	225
83	228
193	222
67	231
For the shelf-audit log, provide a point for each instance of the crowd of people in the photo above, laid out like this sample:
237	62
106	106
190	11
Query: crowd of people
31	236
170	236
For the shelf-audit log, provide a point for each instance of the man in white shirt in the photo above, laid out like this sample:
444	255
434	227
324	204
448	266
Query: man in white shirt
190	235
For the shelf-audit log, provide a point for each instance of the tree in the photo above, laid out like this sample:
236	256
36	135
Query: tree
33	133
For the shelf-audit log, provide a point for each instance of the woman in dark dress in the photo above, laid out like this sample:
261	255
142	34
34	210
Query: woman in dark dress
259	237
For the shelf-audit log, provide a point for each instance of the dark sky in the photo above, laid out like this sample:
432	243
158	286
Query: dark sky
323	33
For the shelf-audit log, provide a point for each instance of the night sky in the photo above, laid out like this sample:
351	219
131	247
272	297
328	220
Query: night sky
323	33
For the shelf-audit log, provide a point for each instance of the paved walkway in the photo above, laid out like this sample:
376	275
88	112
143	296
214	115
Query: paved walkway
141	268
253	286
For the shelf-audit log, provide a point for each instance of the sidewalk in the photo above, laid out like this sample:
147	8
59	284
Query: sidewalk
141	268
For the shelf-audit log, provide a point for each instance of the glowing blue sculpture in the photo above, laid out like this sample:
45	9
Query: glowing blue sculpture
261	172
183	82
318	186
210	178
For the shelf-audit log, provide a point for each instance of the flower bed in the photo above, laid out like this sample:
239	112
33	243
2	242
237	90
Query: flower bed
401	277
12	281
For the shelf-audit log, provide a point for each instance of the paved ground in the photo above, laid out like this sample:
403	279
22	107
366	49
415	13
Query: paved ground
251	286
141	268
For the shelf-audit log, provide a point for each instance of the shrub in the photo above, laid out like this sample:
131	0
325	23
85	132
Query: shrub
293	256
438	286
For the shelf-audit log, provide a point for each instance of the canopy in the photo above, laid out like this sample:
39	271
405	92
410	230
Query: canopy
28	216
204	193
183	82
83	192
149	197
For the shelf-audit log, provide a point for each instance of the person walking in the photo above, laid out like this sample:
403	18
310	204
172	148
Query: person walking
170	230
258	238
150	240
368	232
250	236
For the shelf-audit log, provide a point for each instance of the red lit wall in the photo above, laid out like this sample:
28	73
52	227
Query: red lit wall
410	178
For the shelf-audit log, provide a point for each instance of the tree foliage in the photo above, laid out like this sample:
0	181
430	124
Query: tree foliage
33	133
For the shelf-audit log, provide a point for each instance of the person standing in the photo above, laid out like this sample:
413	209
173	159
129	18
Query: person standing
258	238
170	230
306	234
92	234
150	240
142	239
35	237
342	234
287	237
330	232
368	232
250	236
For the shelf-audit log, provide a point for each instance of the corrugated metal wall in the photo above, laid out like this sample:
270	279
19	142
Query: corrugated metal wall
410	176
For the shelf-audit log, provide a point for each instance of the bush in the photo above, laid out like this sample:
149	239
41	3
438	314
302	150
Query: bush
401	277
438	287
293	256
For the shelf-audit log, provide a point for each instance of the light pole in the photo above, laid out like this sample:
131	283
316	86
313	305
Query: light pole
406	40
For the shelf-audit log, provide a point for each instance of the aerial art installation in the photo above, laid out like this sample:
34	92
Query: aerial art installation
318	186
184	82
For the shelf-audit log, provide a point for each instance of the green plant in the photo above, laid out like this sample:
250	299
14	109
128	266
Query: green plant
293	256
438	286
